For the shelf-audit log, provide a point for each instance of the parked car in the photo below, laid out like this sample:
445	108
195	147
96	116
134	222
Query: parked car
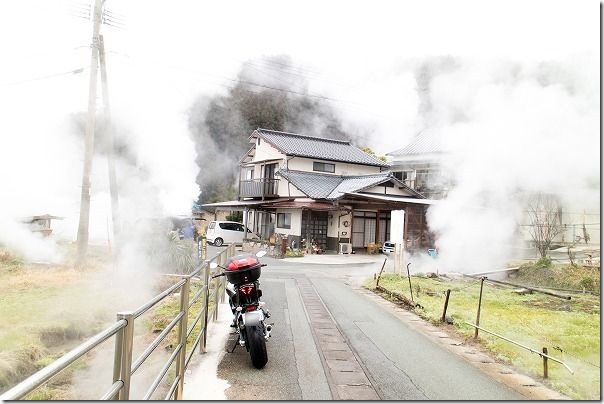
220	232
388	247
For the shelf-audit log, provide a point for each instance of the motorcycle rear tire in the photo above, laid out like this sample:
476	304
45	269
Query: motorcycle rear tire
257	346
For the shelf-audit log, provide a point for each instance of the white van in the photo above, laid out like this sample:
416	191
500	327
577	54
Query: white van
220	232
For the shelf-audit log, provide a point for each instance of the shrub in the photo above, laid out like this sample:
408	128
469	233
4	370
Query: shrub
587	283
294	253
544	262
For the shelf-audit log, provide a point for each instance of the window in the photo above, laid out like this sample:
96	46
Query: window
284	220
229	226
249	173
269	170
324	167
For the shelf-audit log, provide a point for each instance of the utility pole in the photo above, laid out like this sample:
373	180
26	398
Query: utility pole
110	146
82	241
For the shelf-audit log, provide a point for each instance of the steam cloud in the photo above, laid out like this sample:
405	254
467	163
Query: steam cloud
510	129
270	94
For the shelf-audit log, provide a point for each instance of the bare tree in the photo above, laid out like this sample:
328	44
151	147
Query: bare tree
545	218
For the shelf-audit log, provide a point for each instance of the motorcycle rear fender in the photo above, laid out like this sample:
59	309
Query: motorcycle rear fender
255	317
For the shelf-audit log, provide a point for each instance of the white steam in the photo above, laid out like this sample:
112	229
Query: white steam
510	129
41	151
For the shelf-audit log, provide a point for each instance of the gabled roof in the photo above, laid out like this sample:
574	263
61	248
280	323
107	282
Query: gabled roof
293	144
316	186
325	186
425	142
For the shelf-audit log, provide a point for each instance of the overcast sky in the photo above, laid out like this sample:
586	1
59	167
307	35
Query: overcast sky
360	53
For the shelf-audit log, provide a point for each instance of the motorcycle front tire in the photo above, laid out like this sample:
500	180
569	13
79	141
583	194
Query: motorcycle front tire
257	345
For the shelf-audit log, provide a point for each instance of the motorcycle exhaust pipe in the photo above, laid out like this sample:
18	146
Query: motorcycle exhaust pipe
268	330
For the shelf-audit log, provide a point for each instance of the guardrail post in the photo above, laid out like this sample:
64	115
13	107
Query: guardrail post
117	358
182	338
216	302
479	303
125	353
221	262
222	281
202	346
545	363
443	318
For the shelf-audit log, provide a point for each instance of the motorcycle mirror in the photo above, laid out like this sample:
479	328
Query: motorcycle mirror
260	254
213	265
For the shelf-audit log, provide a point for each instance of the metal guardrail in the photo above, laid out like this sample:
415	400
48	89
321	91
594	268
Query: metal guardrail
123	330
542	354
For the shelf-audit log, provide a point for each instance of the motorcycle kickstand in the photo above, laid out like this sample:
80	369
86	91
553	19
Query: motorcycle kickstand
234	346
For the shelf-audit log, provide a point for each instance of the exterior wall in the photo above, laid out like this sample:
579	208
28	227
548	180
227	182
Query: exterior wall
292	191
424	174
388	190
336	231
265	151
296	222
335	224
305	164
345	232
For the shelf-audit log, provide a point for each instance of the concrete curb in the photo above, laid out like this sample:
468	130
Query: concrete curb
525	385
343	259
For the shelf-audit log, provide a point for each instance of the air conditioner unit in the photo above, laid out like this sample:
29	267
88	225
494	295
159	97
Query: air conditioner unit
345	248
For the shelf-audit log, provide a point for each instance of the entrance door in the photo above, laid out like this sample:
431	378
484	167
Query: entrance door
315	227
267	225
363	228
384	227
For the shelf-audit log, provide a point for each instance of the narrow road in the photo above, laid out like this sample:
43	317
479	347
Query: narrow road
331	340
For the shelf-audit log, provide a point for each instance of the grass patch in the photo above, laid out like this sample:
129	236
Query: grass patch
8	262
558	276
46	310
294	253
167	310
570	329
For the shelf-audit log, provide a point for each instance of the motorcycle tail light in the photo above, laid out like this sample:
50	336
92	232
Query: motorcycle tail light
251	308
246	289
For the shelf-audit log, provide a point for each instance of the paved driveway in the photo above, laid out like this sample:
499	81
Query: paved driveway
333	340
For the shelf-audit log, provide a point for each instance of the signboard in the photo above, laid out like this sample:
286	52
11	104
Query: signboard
397	226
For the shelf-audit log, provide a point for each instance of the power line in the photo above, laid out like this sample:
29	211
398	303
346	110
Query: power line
50	76
262	86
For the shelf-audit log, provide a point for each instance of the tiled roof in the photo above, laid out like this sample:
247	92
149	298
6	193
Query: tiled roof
316	147
325	186
317	186
357	183
425	142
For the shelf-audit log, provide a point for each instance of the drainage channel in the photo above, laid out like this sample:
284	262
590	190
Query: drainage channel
346	377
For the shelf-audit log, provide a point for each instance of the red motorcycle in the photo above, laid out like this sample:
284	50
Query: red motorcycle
242	273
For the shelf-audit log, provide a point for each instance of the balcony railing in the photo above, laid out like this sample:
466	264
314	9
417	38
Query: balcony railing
261	187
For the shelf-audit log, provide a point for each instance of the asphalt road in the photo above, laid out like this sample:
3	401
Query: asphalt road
331	342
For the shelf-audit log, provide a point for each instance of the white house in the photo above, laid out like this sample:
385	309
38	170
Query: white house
418	165
325	190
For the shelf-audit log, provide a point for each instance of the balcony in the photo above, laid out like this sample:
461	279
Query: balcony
259	188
